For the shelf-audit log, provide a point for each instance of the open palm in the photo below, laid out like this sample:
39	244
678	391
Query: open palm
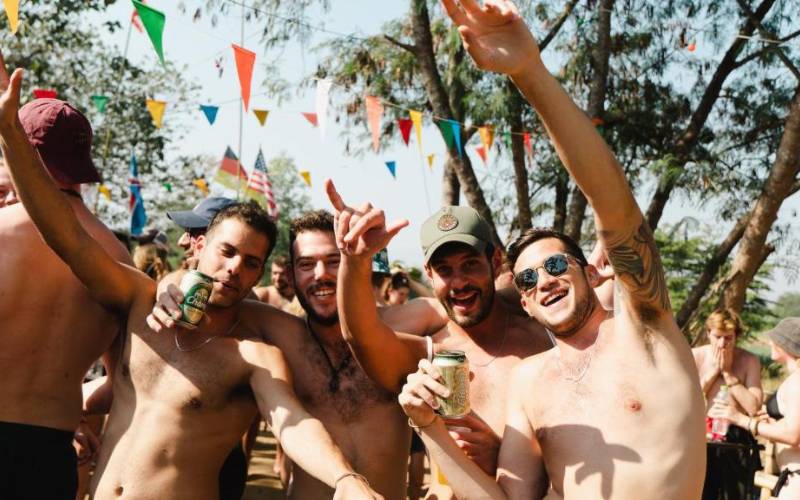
494	34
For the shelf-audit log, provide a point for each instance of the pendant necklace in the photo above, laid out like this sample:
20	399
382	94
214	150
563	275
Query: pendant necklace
333	384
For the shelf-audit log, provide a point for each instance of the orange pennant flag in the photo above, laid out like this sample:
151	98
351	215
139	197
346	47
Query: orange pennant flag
374	115
104	191
416	119
12	12
245	60
487	136
156	109
261	115
311	117
482	153
526	137
306	175
201	185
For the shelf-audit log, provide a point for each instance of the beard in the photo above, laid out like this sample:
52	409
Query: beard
329	320
484	298
584	307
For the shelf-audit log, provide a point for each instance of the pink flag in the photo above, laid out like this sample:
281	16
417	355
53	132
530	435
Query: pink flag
374	114
311	117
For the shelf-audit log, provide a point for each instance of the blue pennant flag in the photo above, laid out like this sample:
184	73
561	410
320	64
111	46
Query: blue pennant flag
136	203
392	166
210	112
456	134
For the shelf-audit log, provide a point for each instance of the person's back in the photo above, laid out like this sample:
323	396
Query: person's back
52	329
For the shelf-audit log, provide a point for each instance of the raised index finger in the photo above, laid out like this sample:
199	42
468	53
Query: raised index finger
333	195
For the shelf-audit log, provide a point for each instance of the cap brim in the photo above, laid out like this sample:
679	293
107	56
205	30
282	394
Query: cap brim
188	219
478	244
70	170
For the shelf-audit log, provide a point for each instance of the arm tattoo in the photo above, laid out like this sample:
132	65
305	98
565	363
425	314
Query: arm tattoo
636	262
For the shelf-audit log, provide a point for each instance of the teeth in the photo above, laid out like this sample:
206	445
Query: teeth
551	299
323	293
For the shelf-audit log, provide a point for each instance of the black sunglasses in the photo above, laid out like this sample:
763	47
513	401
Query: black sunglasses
555	265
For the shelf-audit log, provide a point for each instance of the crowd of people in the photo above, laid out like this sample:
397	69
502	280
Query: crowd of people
581	385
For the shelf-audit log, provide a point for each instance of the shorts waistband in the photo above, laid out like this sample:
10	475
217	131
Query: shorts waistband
33	433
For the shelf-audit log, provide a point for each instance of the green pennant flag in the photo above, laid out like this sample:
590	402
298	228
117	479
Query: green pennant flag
153	21
100	102
507	139
168	186
447	132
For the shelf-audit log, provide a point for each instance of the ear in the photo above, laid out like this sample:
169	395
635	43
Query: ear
200	243
497	263
428	272
593	276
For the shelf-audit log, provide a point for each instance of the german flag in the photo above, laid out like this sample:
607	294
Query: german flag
231	174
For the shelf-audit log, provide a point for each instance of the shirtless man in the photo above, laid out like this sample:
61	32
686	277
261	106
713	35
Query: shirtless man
363	419
462	266
181	401
281	292
615	410
8	196
194	223
52	330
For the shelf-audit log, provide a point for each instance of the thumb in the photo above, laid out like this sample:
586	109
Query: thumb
15	84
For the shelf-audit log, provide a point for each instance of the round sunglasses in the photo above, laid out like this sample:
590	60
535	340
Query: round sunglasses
555	265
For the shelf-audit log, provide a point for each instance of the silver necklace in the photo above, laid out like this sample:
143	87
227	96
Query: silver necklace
583	369
502	344
206	341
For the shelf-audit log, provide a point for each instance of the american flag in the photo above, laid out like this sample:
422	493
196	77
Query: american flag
259	187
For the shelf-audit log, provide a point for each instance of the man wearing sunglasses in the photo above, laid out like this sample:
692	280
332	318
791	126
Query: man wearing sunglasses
462	265
615	410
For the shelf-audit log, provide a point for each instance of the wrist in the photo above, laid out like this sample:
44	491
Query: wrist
730	379
418	427
530	74
349	476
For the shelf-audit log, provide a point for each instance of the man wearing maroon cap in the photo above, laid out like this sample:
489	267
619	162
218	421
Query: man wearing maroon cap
52	329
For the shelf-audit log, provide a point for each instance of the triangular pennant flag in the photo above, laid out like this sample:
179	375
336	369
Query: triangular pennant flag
405	124
306	175
456	134
135	202
245	60
430	161
135	21
201	185
507	140
156	109
323	91
168	186
44	94
104	191
374	115
447	132
526	137
482	153
100	102
487	136
153	21
392	166
416	119
210	112
12	11
311	117
261	115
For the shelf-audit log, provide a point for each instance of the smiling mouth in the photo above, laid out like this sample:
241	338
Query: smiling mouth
553	298
323	292
464	300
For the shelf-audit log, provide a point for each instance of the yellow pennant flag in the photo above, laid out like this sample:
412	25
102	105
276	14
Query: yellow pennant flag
202	185
416	119
306	175
156	109
12	11
104	191
487	136
430	161
261	114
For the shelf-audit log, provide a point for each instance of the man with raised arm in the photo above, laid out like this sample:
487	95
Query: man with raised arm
181	401
615	410
462	265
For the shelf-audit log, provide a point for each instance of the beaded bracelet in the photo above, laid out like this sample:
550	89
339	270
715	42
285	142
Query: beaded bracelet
349	474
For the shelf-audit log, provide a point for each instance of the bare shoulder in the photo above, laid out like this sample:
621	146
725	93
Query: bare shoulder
531	368
748	358
419	316
262	292
269	324
699	353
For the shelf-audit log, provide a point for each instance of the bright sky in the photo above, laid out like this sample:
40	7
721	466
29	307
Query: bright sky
366	178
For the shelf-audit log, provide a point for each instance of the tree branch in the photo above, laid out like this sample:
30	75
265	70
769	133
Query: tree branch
557	26
765	33
398	43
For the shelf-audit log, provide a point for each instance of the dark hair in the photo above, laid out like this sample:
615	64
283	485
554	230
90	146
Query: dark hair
251	214
280	261
530	236
316	220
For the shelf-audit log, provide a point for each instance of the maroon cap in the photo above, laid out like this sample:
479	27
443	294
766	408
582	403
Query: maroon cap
63	137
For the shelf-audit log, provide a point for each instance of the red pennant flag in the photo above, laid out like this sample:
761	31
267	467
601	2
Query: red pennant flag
405	125
311	117
374	114
482	153
245	60
44	94
528	146
135	20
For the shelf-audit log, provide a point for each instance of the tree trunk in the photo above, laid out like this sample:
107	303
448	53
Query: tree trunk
524	219
686	142
451	189
560	208
776	189
596	108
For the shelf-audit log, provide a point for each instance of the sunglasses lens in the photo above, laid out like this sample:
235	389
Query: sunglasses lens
556	265
527	279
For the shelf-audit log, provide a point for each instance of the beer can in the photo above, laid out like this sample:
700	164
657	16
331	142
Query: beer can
454	367
196	288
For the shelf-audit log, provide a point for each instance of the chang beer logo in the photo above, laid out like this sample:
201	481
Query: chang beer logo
194	304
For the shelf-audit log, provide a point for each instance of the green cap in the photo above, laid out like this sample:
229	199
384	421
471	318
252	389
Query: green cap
454	224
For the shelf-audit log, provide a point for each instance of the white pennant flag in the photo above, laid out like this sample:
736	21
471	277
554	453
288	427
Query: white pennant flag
323	89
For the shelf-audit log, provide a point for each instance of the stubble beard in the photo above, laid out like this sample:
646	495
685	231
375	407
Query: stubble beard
485	299
313	315
583	311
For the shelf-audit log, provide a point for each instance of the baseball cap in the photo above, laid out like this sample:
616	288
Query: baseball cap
787	335
454	224
380	262
63	137
200	216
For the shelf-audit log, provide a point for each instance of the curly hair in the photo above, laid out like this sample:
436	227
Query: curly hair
316	220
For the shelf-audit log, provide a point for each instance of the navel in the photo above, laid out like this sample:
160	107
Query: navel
633	405
195	404
118	491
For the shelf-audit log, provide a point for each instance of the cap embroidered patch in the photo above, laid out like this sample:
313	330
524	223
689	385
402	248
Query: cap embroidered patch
447	222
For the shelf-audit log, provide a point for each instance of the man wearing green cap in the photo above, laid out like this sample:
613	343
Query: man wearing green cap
462	264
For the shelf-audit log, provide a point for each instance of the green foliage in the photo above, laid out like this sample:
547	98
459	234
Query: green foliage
787	305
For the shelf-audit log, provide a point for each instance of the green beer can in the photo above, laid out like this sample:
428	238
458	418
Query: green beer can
196	288
454	367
